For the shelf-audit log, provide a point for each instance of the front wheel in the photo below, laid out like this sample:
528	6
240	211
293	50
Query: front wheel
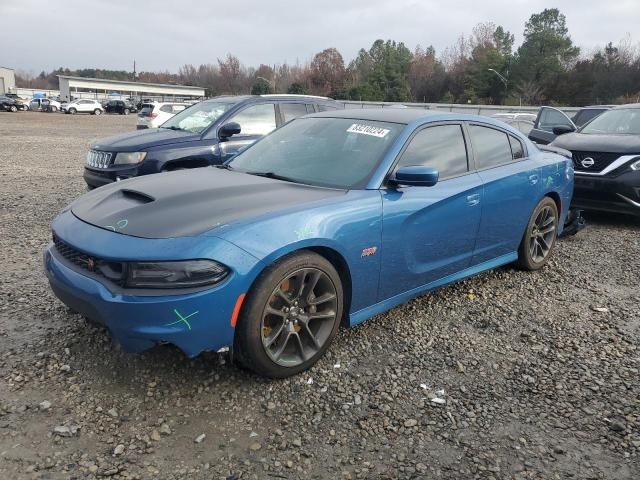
72	111
54	109
13	108
540	236
290	316
126	111
97	111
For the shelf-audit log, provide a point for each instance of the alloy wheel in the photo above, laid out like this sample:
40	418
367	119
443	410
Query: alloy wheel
542	234
299	317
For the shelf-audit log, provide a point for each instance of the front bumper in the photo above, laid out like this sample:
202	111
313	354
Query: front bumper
196	321
616	194
95	177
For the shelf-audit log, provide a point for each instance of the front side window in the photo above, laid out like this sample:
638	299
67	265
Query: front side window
490	147
199	117
441	147
289	111
256	119
550	117
329	152
622	121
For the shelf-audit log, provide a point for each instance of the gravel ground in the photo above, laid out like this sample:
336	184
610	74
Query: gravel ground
534	375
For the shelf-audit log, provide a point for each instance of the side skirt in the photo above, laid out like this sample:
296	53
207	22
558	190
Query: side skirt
380	307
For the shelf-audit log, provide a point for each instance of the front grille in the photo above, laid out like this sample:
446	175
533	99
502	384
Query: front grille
113	271
98	159
600	161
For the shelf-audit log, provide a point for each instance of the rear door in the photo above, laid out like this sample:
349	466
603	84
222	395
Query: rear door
255	121
430	232
512	188
548	118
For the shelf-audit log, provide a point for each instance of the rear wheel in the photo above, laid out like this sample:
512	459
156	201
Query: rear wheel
290	317
540	236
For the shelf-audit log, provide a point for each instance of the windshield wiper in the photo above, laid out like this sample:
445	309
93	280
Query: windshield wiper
173	127
273	175
225	166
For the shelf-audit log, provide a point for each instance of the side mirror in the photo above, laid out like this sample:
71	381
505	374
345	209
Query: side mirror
228	130
416	175
562	129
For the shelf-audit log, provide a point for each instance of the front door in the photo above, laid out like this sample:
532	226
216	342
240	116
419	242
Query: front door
429	232
548	118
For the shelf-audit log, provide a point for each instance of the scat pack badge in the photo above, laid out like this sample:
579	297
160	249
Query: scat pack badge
367	252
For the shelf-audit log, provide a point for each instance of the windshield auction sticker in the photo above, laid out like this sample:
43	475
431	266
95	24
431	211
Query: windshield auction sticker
368	130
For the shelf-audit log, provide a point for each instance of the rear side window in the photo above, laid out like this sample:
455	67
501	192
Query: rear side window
517	149
178	108
166	109
257	119
491	147
441	147
289	111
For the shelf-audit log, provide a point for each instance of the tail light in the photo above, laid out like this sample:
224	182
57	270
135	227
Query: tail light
152	115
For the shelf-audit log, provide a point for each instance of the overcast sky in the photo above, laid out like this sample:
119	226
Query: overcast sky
164	34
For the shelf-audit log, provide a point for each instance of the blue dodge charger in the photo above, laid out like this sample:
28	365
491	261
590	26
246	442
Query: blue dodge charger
330	220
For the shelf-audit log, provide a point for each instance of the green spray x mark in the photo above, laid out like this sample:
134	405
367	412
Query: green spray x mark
182	319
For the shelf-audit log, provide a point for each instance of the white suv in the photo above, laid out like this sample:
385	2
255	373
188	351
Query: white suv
152	115
83	106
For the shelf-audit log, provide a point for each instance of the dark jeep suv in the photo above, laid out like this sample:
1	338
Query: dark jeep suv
120	106
196	137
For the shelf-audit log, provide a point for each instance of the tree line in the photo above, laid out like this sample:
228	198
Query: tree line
483	67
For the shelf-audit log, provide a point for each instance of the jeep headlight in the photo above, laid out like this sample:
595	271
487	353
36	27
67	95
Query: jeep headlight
176	274
129	158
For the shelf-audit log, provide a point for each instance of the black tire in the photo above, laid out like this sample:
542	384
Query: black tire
126	111
540	236
72	111
13	108
250	346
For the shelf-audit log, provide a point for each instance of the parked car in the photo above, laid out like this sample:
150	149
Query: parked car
83	106
514	116
44	105
120	107
194	137
549	118
152	115
8	104
606	157
21	103
329	220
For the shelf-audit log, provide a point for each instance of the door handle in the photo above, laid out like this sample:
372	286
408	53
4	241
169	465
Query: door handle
473	199
533	179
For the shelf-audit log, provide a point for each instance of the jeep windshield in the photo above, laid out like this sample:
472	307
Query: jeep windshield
328	152
198	117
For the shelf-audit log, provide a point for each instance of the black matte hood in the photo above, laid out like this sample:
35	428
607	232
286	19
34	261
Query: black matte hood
581	142
143	139
189	202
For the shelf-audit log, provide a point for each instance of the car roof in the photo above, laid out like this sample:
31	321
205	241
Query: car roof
394	115
274	96
628	105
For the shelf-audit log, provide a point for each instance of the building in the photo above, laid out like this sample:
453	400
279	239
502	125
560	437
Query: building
99	88
7	80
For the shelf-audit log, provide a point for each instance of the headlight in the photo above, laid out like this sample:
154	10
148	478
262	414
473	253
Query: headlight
636	165
182	274
128	158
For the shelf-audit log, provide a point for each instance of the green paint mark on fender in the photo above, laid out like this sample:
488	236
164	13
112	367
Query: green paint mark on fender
182	319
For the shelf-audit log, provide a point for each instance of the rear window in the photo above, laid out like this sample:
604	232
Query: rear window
147	108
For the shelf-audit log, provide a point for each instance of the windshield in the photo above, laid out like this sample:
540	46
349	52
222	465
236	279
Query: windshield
329	152
198	117
623	121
